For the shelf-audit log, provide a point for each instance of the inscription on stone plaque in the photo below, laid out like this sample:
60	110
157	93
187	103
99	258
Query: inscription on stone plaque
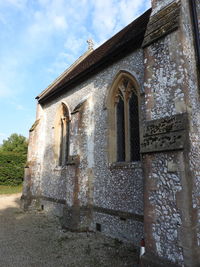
165	134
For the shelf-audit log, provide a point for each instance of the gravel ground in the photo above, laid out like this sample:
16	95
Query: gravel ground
32	239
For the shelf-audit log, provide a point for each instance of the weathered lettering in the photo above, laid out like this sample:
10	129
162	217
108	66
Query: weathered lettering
164	134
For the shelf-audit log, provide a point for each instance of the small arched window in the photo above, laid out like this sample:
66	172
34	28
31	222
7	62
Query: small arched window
62	136
124	138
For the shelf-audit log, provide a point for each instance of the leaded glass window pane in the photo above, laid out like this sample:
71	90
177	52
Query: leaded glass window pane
120	131
67	140
134	128
61	144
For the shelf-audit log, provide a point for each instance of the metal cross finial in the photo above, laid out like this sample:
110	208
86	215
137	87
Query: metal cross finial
90	44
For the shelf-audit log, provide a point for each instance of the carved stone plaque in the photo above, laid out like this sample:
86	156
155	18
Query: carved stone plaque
165	134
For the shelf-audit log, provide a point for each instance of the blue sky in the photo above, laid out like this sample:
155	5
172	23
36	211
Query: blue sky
40	38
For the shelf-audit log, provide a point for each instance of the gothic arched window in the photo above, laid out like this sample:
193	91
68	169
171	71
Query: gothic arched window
124	138
62	134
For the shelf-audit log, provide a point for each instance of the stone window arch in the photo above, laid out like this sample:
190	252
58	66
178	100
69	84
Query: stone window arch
62	135
123	119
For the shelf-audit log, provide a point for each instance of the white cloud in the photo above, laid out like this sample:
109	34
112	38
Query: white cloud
58	67
74	43
60	22
108	17
129	10
45	25
98	20
104	18
59	29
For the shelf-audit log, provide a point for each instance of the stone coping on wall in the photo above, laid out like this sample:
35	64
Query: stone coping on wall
72	161
162	23
125	165
118	213
60	168
51	199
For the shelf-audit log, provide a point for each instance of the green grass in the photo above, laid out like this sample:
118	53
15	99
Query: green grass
7	189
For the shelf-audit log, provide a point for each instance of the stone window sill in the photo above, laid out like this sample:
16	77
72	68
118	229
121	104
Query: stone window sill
73	160
59	168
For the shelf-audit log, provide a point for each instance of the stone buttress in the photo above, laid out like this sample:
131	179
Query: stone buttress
170	144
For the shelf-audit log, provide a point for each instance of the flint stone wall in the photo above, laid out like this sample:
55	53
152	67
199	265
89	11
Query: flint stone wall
171	89
92	181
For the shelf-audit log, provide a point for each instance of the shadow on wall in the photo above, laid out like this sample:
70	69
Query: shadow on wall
51	179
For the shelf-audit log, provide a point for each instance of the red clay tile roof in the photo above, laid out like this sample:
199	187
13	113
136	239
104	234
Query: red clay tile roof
125	41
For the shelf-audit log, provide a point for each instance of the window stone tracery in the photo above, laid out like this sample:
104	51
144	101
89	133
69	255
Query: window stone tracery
124	139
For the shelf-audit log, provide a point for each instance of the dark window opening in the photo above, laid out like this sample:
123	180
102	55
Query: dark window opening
134	128
64	138
120	131
127	136
98	227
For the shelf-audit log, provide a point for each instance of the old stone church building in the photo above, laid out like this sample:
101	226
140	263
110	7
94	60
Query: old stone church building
116	142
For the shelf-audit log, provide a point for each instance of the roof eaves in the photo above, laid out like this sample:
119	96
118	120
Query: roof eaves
64	74
122	43
112	57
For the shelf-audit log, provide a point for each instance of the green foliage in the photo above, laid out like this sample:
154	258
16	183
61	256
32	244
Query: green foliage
15	143
13	153
11	168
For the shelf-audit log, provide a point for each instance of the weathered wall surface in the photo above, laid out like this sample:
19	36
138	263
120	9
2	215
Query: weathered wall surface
198	12
193	103
95	191
157	5
35	158
171	88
